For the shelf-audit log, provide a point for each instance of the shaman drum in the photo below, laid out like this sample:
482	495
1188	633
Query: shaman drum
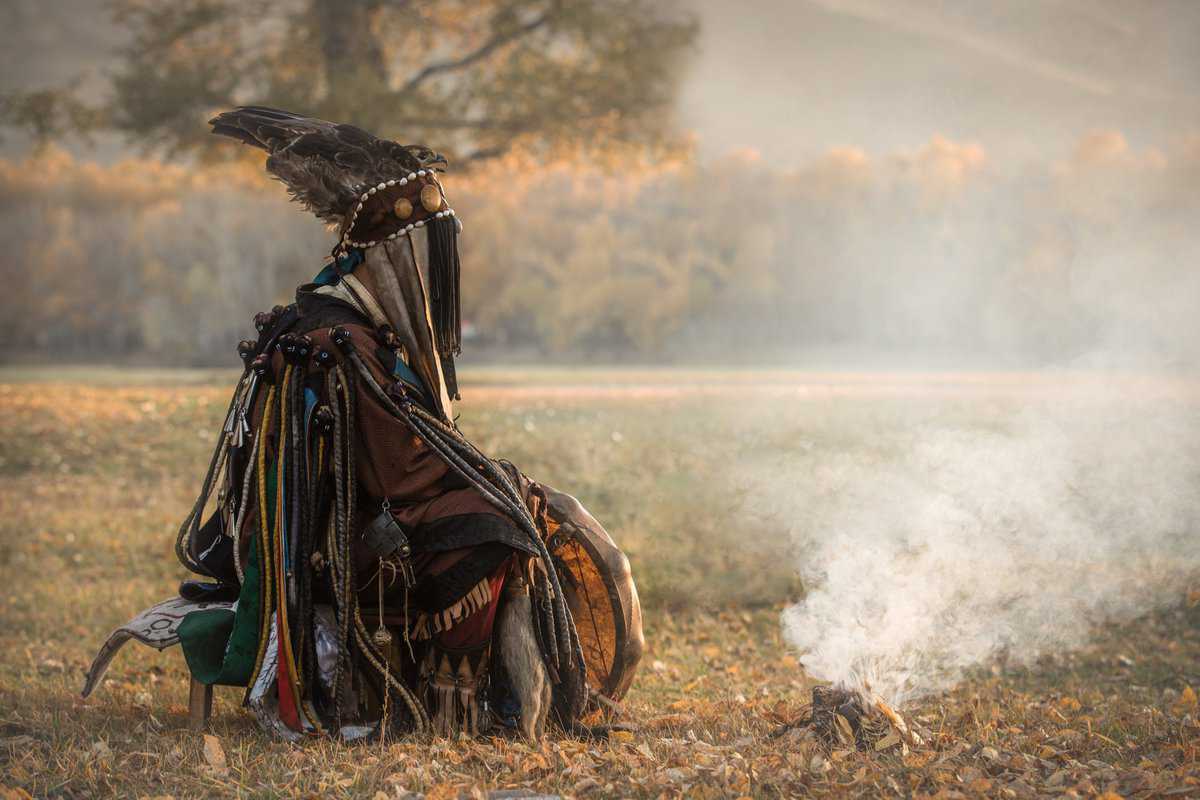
598	584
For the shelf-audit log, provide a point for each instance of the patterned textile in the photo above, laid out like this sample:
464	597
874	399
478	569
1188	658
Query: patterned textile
157	627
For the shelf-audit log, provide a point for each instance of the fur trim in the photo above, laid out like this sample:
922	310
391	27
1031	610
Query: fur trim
522	660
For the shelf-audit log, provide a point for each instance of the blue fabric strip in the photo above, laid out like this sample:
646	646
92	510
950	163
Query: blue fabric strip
334	270
406	373
310	400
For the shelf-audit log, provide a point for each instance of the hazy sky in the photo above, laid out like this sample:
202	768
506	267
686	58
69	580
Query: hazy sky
792	78
1024	77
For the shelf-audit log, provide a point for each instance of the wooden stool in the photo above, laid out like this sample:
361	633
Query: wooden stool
200	698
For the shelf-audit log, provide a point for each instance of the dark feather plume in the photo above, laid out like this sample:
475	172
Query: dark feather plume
324	165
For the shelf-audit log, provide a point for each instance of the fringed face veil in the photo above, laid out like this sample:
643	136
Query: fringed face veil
420	302
408	237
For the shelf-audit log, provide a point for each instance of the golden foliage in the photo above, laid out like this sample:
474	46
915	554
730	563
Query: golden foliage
623	252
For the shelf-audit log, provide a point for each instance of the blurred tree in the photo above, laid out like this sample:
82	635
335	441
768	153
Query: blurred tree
467	76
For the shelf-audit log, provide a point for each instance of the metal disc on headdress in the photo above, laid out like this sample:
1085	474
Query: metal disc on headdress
431	197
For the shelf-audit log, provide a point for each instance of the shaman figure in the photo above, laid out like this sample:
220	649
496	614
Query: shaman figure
367	569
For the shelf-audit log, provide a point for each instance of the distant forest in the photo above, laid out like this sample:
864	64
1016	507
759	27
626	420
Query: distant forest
592	232
638	256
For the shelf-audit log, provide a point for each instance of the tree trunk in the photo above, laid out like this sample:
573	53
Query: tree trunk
348	45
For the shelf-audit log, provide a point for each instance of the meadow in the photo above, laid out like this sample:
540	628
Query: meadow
99	466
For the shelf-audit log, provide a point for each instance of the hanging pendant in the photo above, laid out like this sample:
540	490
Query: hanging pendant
382	637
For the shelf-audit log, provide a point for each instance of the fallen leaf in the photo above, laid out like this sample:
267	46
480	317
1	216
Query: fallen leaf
891	740
214	754
980	785
675	775
841	726
585	785
672	720
1069	704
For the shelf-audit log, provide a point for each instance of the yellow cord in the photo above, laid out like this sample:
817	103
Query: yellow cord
285	638
264	572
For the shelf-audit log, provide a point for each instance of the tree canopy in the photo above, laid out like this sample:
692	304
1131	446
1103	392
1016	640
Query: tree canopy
467	76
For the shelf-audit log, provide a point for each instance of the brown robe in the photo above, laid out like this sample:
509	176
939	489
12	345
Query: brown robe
445	517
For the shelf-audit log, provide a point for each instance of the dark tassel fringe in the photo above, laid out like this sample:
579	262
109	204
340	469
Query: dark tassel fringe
451	377
452	682
444	300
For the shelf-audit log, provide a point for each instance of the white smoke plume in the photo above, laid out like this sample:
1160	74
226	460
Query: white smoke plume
1009	532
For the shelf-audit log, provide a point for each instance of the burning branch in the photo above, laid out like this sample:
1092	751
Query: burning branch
843	717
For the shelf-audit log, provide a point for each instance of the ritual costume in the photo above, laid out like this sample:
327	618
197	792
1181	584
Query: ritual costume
367	569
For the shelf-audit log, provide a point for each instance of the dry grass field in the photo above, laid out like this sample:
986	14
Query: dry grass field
97	468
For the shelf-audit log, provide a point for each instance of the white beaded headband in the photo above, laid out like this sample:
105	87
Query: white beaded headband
347	242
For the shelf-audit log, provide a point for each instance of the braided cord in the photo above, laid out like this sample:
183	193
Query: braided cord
264	537
191	523
415	709
336	533
281	536
240	518
496	488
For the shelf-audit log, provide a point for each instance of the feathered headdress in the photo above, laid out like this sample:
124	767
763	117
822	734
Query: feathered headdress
376	190
324	165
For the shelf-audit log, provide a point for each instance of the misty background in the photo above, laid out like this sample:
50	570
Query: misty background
847	181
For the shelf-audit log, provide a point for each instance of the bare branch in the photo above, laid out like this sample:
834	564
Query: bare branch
484	50
447	123
480	156
189	57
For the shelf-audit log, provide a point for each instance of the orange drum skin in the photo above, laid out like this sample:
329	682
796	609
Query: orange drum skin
598	583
